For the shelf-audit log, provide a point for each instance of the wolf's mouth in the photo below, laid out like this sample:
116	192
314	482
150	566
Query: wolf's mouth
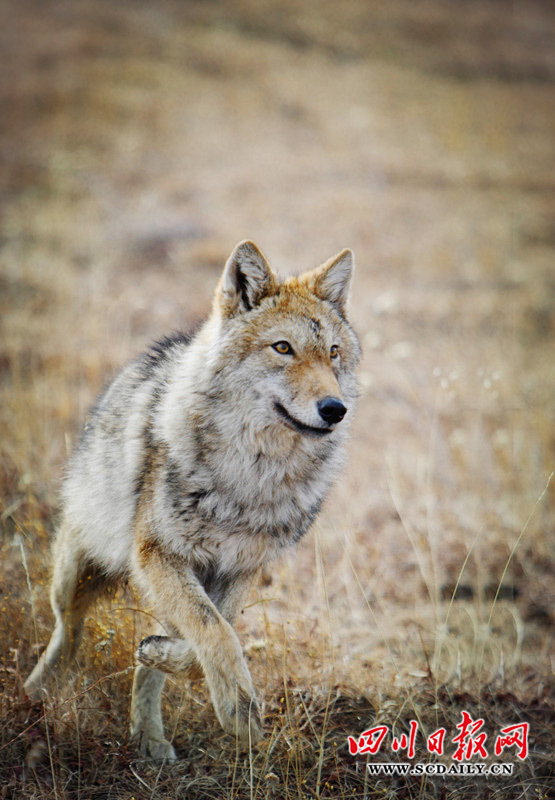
298	425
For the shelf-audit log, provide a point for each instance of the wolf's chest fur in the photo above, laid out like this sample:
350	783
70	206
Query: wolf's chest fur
232	508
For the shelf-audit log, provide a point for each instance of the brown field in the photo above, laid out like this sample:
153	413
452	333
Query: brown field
140	141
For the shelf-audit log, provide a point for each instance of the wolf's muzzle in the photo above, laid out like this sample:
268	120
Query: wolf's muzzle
331	409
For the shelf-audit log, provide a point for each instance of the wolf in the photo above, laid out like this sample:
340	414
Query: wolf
204	459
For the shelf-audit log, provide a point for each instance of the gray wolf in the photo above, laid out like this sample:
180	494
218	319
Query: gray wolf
204	458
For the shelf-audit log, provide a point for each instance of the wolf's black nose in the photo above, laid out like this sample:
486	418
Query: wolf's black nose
331	410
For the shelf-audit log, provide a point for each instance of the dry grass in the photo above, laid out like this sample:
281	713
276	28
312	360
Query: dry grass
140	142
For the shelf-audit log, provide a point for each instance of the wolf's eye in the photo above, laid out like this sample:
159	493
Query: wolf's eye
334	351
284	348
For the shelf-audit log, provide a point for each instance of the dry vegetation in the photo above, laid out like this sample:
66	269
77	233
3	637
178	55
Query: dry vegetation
139	142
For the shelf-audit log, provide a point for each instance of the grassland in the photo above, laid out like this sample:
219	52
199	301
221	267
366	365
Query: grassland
139	143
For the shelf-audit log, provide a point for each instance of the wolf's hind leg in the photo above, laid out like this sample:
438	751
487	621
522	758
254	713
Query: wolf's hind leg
76	582
146	714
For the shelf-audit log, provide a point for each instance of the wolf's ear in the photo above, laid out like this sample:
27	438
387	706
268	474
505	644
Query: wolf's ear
331	281
246	280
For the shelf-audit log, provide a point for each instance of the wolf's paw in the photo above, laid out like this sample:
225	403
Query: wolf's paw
167	654
158	749
153	651
34	692
239	713
248	722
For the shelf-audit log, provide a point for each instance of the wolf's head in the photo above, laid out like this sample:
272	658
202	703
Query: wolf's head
286	354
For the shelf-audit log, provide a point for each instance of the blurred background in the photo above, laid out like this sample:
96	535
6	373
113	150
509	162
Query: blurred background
141	141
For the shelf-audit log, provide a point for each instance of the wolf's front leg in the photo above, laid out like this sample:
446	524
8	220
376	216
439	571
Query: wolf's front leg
204	634
172	654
